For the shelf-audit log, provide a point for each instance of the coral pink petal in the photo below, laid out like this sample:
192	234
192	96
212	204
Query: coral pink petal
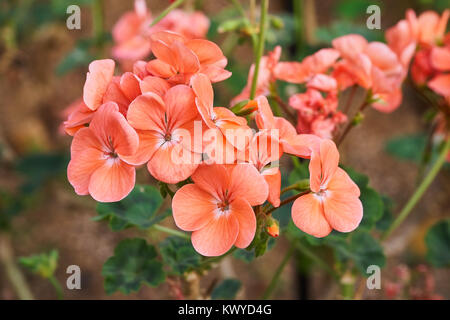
293	72
246	182
329	156
301	145
155	85
149	142
216	186
440	58
382	56
215	73
264	117
180	106
84	139
308	216
342	210
187	61
82	166
113	181
323	82
129	83
171	163
341	182
193	208
207	52
115	94
113	130
441	84
350	45
274	183
161	69
203	90
243	212
217	237
147	112
97	80
167	37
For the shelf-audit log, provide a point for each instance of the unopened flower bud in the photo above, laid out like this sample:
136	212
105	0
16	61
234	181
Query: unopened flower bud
273	228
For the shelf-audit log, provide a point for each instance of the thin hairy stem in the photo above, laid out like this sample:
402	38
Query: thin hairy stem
166	11
276	276
426	182
172	232
260	48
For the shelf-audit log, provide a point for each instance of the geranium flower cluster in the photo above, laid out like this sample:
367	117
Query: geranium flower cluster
162	115
131	33
423	40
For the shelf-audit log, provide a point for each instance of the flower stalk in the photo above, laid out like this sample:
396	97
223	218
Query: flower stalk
417	195
260	48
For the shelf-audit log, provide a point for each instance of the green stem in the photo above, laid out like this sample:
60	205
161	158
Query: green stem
276	276
299	185
166	11
247	22
298	22
351	123
316	259
171	231
260	48
59	290
420	190
287	200
97	17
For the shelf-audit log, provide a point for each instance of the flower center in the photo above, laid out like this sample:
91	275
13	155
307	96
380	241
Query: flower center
223	206
113	154
168	137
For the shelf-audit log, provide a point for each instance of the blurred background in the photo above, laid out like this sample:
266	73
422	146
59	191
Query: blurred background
43	67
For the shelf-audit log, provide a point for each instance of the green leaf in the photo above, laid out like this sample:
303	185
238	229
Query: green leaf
10	206
38	168
133	264
363	250
230	25
43	264
372	208
352	9
372	201
300	172
179	254
78	57
387	218
408	147
226	290
438	244
360	179
138	209
248	255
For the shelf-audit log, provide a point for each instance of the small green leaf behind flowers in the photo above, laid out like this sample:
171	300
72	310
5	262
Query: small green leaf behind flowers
372	201
134	263
43	264
438	244
139	209
226	290
179	254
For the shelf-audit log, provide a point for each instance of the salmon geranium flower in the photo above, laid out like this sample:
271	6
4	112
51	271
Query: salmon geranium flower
228	129
179	58
264	152
218	207
334	199
96	166
165	126
300	145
